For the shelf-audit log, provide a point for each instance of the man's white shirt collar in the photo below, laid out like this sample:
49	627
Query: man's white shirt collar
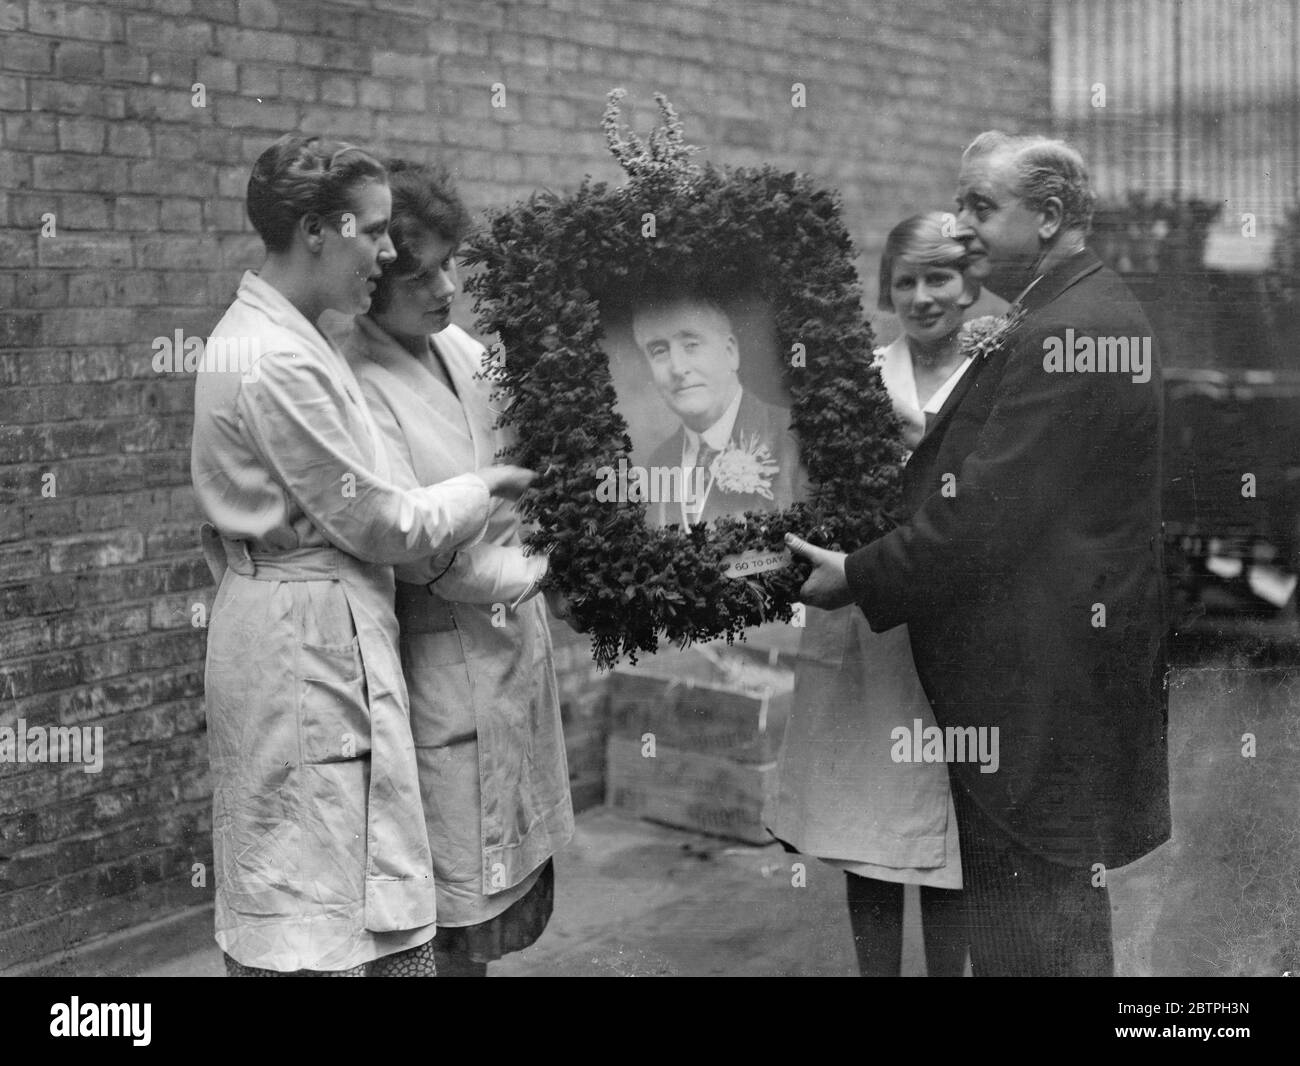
717	436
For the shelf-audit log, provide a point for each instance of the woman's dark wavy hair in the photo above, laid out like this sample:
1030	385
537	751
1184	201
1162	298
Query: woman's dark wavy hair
302	174
424	201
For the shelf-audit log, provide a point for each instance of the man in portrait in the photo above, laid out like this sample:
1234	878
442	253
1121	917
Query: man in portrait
736	453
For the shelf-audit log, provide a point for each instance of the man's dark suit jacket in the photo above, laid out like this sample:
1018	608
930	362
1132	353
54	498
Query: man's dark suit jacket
1057	509
768	424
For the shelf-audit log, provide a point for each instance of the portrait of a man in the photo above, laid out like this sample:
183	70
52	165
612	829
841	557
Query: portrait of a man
735	451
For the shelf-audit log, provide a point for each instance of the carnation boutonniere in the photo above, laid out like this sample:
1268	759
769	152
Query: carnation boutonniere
981	337
744	467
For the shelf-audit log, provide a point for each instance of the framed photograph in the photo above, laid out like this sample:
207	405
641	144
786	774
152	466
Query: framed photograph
686	362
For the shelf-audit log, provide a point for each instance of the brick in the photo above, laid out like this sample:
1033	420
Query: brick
240	113
30	54
11	529
218	74
299	84
78	250
349	26
85	211
124	64
150	34
77	98
152	103
185	287
111	364
81	135
65	20
135	213
79	62
96	626
13	16
95	550
13	92
108	698
25	444
141	510
176	144
345	123
339	90
47	518
79	172
23	906
261	14
259	79
336	55
375	94
19	329
31	132
170	179
97	401
225	216
220	147
28	636
255	44
172	252
27	211
172	70
104	660
41	288
182	215
129	138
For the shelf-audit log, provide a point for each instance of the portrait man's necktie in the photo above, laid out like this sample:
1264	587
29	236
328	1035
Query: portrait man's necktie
697	489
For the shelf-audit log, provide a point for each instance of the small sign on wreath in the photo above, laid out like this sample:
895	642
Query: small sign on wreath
688	367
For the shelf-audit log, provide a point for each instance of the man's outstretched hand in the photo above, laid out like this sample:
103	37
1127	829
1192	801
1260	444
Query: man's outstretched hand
826	587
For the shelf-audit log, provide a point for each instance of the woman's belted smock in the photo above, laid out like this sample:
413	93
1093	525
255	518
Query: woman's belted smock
322	860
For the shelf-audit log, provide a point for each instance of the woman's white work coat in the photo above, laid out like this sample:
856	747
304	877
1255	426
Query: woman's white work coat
321	857
840	795
485	710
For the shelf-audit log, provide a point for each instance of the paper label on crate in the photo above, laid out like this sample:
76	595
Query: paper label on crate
747	564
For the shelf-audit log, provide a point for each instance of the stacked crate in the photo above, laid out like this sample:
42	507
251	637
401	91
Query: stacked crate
694	738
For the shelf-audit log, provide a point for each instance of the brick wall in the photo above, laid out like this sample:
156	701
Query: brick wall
99	571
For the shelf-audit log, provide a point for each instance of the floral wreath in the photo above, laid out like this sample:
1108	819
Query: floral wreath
546	265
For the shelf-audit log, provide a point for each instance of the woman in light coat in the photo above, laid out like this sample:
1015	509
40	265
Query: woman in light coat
840	795
476	648
322	862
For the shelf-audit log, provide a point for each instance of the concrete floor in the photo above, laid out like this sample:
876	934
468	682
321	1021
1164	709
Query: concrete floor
637	899
633	899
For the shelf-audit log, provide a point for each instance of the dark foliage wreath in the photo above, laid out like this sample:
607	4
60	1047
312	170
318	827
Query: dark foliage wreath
548	263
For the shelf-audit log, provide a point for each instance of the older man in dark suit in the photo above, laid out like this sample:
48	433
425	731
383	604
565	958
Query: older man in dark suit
1030	573
694	359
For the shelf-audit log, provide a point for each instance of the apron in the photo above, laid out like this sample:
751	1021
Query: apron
322	858
485	709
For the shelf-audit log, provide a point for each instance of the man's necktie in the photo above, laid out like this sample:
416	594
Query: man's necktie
699	481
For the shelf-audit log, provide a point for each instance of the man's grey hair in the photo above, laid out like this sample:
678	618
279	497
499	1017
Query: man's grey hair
1045	168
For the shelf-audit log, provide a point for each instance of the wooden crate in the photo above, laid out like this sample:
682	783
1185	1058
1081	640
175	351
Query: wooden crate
689	789
699	716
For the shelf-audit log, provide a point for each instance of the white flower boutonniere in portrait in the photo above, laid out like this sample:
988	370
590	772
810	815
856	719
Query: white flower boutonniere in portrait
744	467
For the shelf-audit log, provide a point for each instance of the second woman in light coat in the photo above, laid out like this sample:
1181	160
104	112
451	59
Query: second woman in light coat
476	648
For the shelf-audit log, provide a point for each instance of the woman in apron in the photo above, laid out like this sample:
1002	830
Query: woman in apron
322	861
840	795
476	649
